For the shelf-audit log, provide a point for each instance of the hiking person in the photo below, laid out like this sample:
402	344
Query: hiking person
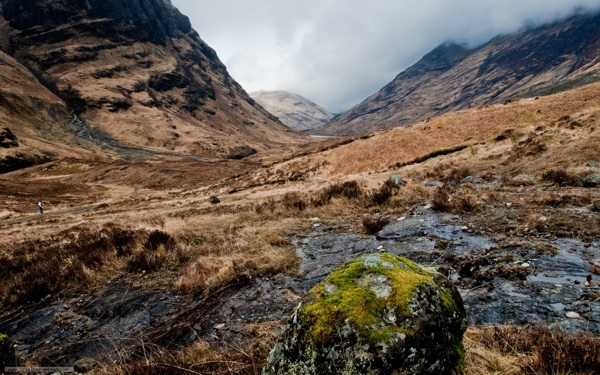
41	206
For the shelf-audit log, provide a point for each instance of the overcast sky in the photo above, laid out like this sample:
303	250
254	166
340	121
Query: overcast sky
338	52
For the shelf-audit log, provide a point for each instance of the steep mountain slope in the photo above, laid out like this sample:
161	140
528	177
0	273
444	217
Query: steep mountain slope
139	75
292	109
35	125
535	61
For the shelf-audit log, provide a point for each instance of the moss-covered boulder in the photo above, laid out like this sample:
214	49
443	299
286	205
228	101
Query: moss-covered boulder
6	355
379	314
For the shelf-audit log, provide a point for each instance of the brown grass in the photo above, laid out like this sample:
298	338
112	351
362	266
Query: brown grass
530	350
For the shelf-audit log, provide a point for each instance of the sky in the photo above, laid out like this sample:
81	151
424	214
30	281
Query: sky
339	52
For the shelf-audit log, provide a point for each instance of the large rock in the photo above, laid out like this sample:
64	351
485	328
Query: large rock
592	180
379	314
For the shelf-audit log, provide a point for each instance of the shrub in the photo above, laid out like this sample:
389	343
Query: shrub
374	223
294	201
443	200
347	189
384	193
561	177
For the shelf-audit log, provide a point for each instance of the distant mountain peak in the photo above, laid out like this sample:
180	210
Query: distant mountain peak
292	109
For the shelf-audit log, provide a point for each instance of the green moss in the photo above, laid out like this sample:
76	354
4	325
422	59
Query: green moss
360	307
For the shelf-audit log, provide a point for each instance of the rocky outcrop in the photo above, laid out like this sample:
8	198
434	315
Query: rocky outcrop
293	110
379	314
8	139
139	73
536	61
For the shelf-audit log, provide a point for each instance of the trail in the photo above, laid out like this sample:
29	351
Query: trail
49	214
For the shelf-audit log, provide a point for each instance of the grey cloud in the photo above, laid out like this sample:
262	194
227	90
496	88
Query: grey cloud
338	52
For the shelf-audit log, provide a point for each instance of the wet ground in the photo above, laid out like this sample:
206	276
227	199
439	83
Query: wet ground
502	279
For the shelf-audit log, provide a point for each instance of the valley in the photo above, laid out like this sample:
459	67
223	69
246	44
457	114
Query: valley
135	265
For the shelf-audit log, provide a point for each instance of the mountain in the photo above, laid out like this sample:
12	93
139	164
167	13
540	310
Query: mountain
136	75
293	110
535	61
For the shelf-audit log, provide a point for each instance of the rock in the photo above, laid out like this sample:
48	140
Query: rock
592	180
378	314
7	139
85	365
397	180
596	205
573	315
433	184
542	219
592	164
595	266
7	358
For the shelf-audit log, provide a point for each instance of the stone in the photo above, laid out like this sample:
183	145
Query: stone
592	180
397	180
378	314
573	315
433	184
595	266
592	164
84	365
596	205
7	358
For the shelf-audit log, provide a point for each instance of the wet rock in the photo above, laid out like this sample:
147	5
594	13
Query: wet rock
6	355
592	180
379	314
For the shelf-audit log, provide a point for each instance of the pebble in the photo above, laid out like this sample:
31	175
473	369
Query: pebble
543	218
315	219
220	326
573	315
526	265
401	218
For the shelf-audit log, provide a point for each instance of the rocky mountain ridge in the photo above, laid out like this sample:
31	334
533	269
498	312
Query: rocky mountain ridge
138	73
452	77
292	109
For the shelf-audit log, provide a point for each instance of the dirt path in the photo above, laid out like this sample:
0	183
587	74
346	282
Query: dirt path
49	214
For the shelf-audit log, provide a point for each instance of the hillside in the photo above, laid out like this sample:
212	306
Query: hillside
532	62
293	110
139	76
137	267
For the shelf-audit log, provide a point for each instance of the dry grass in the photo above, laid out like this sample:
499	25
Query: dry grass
244	357
530	350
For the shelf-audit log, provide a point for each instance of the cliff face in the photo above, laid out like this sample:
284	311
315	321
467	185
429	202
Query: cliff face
533	62
138	72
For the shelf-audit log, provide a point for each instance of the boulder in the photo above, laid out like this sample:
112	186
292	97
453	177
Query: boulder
592	180
378	314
